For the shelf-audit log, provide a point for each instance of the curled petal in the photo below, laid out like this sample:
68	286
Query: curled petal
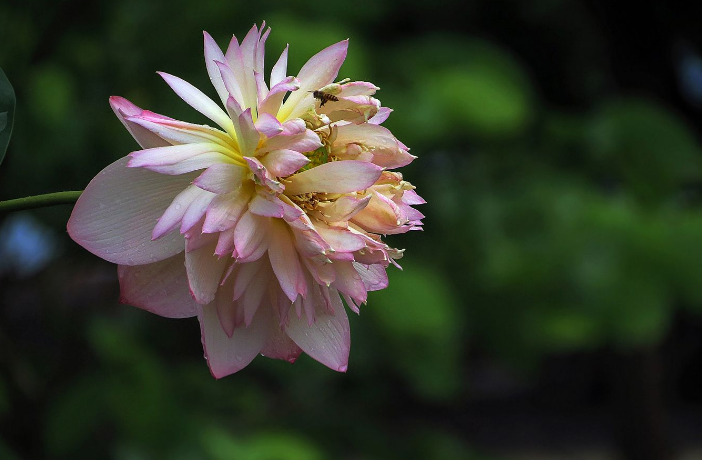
268	125
124	110
221	178
374	276
205	271
344	208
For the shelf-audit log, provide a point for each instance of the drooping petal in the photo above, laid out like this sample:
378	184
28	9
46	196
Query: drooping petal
226	355
250	236
161	288
285	262
335	177
328	340
205	271
374	276
280	345
118	210
348	281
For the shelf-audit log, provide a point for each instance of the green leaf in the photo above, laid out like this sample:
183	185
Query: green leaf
7	113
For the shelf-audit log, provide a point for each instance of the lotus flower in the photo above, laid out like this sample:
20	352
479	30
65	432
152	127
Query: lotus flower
261	225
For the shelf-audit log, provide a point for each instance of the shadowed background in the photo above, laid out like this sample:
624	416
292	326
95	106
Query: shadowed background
550	309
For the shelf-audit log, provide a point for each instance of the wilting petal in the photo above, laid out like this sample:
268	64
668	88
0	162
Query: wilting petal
348	281
116	214
334	177
328	340
161	288
374	276
226	355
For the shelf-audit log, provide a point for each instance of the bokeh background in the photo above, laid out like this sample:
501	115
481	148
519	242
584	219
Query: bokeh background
551	309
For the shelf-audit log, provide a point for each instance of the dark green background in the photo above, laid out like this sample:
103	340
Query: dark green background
550	306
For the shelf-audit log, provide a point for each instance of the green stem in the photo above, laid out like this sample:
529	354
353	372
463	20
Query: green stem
39	201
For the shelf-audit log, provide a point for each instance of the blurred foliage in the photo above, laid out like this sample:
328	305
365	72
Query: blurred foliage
564	216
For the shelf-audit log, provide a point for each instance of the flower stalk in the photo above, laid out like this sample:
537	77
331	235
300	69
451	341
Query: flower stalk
39	201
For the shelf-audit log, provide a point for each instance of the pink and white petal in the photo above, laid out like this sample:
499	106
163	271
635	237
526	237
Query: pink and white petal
274	98
221	178
348	281
319	71
226	355
191	164
250	236
235	61
225	243
205	272
280	68
254	294
248	48
261	88
262	177
358	88
245	276
179	132
169	155
214	53
412	198
381	116
307	141
160	288
374	276
116	214
284	162
341	240
198	100
233	87
335	177
196	211
227	308
246	133
225	211
266	206
125	109
344	208
280	345
173	216
268	125
328	340
285	262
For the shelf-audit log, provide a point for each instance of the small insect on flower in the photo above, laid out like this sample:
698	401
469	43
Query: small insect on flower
328	93
324	97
